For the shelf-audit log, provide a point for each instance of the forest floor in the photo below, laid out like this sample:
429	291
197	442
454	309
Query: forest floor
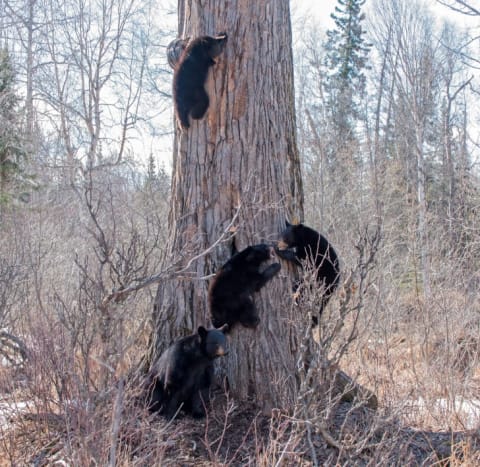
240	435
250	438
428	413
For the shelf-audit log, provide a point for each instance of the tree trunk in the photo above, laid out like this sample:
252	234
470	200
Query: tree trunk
29	96
240	163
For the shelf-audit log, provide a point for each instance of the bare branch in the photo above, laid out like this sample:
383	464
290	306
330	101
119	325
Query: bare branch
120	295
460	6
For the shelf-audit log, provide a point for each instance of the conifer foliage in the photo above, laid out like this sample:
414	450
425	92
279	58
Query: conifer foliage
11	147
346	59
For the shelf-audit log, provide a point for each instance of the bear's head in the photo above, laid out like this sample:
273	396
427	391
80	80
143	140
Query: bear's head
290	236
215	45
206	48
257	254
213	341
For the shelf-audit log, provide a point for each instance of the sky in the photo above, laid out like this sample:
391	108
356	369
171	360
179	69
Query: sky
320	10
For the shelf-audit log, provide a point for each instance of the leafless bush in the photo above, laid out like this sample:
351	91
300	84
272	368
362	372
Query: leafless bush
82	304
81	330
420	353
13	277
322	385
336	420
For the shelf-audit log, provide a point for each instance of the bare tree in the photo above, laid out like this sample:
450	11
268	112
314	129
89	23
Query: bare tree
412	68
461	6
86	62
236	177
455	84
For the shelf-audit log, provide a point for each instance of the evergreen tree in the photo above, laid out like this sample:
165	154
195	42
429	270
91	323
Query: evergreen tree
11	141
346	60
157	180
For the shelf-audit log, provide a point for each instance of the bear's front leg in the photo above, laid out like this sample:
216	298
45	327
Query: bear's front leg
266	275
172	406
287	255
156	398
198	403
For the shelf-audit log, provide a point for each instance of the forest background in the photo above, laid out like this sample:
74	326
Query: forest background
387	134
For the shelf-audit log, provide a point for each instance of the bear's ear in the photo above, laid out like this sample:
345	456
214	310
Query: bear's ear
175	50
202	332
233	248
221	36
287	223
224	328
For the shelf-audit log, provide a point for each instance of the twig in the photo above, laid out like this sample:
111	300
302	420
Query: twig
312	447
117	415
329	438
120	295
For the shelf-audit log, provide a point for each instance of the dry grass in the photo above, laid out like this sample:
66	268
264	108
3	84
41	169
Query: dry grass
75	400
86	424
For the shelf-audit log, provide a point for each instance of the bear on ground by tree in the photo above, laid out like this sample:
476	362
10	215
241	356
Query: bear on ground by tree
184	373
299	243
190	74
230	294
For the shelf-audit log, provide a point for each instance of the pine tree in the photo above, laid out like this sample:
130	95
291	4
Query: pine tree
11	146
346	60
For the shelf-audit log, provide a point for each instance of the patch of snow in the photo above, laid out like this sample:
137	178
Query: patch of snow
467	411
8	410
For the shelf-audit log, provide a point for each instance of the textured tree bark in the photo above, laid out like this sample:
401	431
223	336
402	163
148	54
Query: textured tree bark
239	163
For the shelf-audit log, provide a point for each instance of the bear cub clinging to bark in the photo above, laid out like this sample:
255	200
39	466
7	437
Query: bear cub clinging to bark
299	243
184	372
231	292
190	74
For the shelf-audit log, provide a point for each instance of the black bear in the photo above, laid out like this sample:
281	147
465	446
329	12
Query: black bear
231	292
183	373
190	75
299	243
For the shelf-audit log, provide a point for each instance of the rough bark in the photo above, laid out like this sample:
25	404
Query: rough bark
239	163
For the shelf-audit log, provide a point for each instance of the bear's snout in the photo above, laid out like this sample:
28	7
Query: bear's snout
282	245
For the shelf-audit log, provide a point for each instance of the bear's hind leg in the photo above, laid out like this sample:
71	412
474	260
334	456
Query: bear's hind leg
182	113
173	405
200	107
248	315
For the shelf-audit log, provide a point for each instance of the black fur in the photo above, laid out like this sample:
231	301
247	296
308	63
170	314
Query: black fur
231	292
183	373
190	75
303	243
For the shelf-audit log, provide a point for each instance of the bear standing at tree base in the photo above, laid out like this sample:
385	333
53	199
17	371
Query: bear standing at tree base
183	373
190	75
